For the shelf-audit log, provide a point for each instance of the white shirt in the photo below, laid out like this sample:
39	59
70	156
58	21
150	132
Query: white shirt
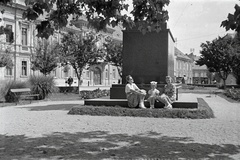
153	92
129	87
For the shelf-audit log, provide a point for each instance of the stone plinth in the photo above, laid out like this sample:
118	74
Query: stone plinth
148	57
117	91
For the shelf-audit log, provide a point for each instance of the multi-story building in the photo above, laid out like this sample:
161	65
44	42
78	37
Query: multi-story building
182	67
201	75
24	43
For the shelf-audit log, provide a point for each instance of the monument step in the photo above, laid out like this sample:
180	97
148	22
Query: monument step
188	104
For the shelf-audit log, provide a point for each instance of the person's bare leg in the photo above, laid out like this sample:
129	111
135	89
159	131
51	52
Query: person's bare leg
141	101
164	100
152	102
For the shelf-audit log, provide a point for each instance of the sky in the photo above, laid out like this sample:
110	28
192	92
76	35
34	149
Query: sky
193	22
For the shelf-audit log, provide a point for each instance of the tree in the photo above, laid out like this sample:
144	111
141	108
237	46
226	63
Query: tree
147	14
45	59
114	54
79	51
218	56
233	20
236	58
5	59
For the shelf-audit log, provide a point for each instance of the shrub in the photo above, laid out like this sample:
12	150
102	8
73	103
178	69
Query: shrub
42	85
203	111
8	95
97	93
233	93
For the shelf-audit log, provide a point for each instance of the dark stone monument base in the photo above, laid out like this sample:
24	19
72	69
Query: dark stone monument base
124	103
117	91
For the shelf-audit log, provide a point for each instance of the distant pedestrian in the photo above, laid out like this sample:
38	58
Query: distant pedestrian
70	81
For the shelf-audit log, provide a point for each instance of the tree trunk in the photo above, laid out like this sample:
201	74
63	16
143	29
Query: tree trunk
224	84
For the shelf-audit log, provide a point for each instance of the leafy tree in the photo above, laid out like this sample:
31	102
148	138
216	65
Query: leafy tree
5	59
45	59
147	14
236	58
233	20
218	56
114	54
79	51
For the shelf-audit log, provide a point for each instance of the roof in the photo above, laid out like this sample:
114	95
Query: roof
180	55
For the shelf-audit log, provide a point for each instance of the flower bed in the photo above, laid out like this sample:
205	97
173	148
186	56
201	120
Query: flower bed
97	93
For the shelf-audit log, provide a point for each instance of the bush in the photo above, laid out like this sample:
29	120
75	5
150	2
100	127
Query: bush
8	95
43	85
233	93
97	93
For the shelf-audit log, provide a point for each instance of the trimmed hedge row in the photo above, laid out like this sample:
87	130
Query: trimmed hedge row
203	112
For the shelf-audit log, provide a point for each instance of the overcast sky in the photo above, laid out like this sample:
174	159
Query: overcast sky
194	22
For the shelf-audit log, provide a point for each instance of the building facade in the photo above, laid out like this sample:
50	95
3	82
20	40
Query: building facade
183	67
201	75
22	43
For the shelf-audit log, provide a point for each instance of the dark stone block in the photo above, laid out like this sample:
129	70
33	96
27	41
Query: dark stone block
117	91
148	57
123	103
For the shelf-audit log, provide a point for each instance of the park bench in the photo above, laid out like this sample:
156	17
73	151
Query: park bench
23	93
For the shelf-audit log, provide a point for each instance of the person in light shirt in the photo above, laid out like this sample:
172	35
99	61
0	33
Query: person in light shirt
153	92
155	95
135	96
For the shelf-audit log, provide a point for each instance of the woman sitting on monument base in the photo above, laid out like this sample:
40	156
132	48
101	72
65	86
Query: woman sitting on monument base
135	96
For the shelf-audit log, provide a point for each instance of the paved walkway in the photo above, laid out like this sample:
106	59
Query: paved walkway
221	132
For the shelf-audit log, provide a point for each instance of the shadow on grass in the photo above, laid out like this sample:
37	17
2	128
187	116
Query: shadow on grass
102	145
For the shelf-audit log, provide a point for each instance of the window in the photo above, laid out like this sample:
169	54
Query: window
24	38
54	72
9	34
106	73
9	71
87	74
196	74
24	68
114	73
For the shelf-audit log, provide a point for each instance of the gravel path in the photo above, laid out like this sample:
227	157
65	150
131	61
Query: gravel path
224	129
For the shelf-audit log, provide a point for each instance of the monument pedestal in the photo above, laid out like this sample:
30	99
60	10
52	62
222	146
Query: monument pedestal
117	91
148	57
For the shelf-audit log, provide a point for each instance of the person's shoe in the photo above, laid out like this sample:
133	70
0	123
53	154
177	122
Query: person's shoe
151	106
168	106
141	105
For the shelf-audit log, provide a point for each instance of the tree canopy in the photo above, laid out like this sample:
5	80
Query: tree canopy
45	59
114	54
218	56
55	14
79	51
233	20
